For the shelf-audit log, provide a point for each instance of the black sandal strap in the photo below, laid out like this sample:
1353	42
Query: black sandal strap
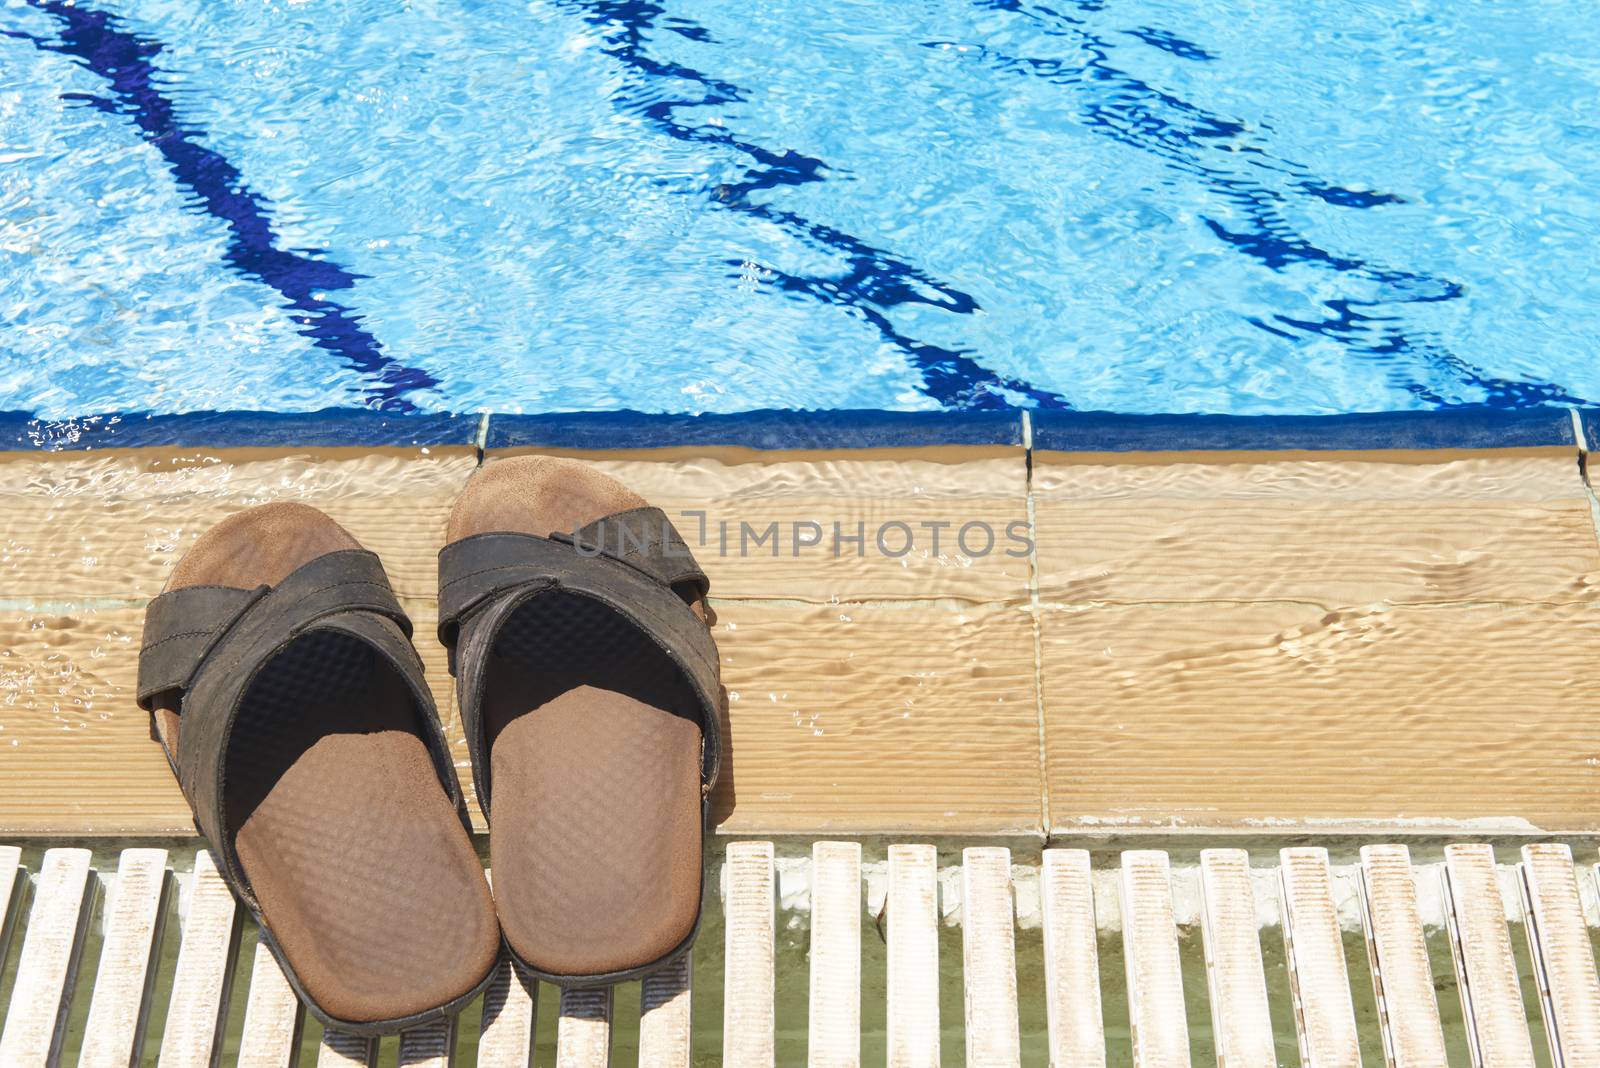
209	658
485	578
475	570
179	629
644	538
183	626
481	566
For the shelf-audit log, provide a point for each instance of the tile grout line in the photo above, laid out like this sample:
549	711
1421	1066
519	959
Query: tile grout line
48	606
1038	624
1324	606
481	439
946	603
1583	473
1036	606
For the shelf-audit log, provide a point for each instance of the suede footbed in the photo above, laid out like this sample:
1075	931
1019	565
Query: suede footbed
596	819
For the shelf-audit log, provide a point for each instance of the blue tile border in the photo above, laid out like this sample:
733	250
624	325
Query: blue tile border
1065	431
847	429
1455	428
330	428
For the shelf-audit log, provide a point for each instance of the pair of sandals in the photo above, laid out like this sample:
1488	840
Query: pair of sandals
283	686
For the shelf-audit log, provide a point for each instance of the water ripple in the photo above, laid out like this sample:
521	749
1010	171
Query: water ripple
1208	147
876	280
682	205
126	61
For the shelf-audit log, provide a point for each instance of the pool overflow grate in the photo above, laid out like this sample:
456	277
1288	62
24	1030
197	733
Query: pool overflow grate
1035	974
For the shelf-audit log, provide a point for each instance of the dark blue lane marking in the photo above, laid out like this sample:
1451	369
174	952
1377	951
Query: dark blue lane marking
1184	136
125	60
876	280
1168	41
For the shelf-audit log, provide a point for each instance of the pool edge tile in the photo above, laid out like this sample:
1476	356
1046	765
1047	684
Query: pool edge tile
772	429
1457	428
779	429
328	428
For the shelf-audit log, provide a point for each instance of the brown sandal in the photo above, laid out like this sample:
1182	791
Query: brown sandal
279	673
589	689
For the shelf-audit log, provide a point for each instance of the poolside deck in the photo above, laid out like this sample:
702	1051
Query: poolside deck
1389	641
833	955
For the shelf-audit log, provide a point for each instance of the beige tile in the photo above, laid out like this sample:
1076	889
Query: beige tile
836	710
75	750
860	491
899	718
832	709
1340	531
1280	715
112	524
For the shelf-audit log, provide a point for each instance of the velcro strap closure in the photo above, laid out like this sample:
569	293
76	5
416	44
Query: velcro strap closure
184	626
646	540
476	569
180	628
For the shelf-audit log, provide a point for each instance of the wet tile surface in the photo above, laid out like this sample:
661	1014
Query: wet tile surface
1257	643
1279	715
1331	532
861	719
89	538
885	524
833	710
75	750
111	525
1289	641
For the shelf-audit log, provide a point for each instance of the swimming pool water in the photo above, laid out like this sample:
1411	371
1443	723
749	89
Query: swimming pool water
687	206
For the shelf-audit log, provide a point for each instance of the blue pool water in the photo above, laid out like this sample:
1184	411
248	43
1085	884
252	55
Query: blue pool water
688	205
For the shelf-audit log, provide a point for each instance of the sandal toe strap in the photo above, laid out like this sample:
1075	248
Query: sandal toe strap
634	563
